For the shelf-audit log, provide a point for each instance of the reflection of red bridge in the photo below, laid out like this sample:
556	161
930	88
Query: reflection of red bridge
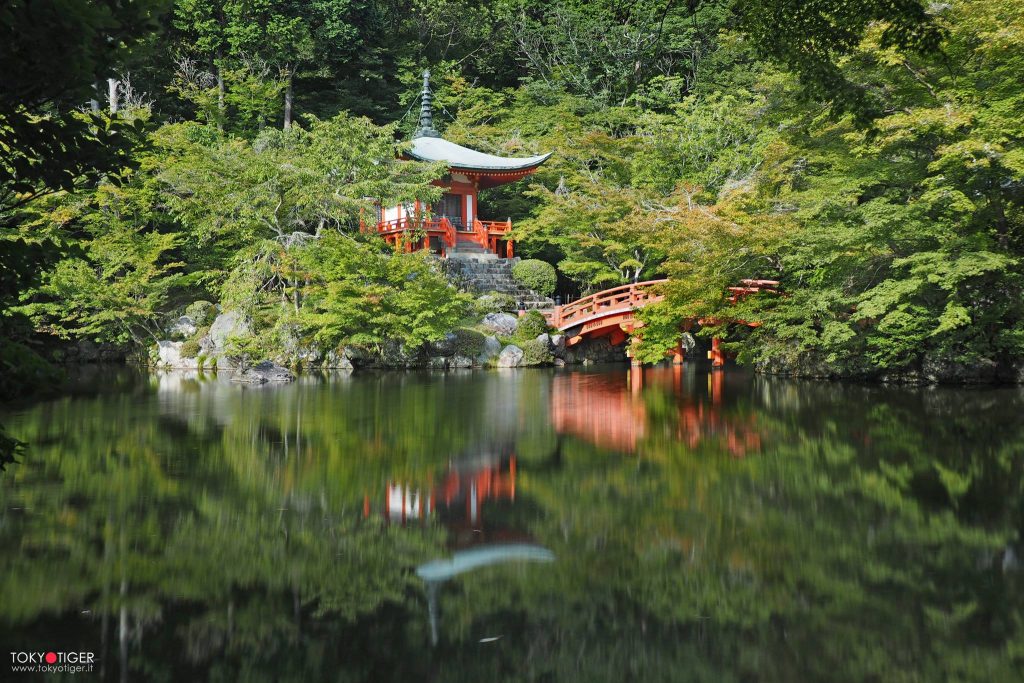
604	411
612	313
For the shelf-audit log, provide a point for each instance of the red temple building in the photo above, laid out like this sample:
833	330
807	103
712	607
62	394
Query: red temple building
453	224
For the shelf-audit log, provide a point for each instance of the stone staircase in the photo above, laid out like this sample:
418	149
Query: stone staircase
477	270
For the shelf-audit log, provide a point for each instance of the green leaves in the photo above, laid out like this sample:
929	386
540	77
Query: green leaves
364	296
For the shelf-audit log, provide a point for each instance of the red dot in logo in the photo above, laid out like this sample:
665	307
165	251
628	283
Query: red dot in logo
51	657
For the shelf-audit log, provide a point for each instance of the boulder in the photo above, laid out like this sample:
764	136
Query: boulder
559	363
544	339
307	355
501	323
356	355
169	353
230	324
492	347
395	355
263	372
437	363
510	357
460	362
88	352
336	361
445	346
558	344
938	369
182	328
206	347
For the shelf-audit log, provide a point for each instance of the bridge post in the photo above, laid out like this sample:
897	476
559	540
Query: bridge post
636	379
634	362
716	354
678	354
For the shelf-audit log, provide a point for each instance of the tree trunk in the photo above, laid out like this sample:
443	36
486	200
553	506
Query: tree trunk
288	96
112	94
221	107
94	103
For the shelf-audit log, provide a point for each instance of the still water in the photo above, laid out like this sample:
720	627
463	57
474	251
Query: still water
517	526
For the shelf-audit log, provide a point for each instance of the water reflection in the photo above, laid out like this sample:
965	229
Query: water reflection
685	526
611	413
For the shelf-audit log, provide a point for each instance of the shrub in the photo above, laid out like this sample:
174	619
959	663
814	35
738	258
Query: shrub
190	348
537	275
495	302
535	353
468	343
23	371
531	325
203	312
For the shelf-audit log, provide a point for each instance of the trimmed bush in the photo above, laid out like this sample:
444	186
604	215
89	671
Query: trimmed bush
190	348
468	343
540	276
531	325
535	353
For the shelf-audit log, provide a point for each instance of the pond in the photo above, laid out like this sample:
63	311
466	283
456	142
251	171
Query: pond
530	525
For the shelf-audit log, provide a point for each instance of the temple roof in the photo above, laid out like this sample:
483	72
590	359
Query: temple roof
428	145
429	148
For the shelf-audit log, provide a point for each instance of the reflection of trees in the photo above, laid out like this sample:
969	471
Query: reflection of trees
219	534
868	542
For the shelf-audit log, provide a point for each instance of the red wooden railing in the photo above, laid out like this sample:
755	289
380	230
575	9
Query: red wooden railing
607	302
392	230
638	295
485	233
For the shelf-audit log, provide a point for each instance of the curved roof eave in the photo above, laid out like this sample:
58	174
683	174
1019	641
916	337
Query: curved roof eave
438	149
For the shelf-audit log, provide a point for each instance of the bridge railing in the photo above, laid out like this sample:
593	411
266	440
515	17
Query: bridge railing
624	297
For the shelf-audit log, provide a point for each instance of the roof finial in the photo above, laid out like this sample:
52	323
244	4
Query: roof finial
426	128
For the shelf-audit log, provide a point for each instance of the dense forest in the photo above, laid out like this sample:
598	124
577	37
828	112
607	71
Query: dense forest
866	155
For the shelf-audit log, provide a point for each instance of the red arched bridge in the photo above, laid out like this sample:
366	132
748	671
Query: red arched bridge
612	313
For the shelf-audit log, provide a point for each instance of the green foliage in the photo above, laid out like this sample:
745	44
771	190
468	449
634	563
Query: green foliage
813	39
907	229
535	352
363	296
536	275
202	312
531	325
48	144
468	343
867	155
23	372
117	289
190	348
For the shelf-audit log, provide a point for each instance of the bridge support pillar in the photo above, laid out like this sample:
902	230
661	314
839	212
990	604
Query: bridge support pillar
716	354
631	352
678	354
636	379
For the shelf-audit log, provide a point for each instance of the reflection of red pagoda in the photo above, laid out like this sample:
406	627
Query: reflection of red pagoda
458	500
602	410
